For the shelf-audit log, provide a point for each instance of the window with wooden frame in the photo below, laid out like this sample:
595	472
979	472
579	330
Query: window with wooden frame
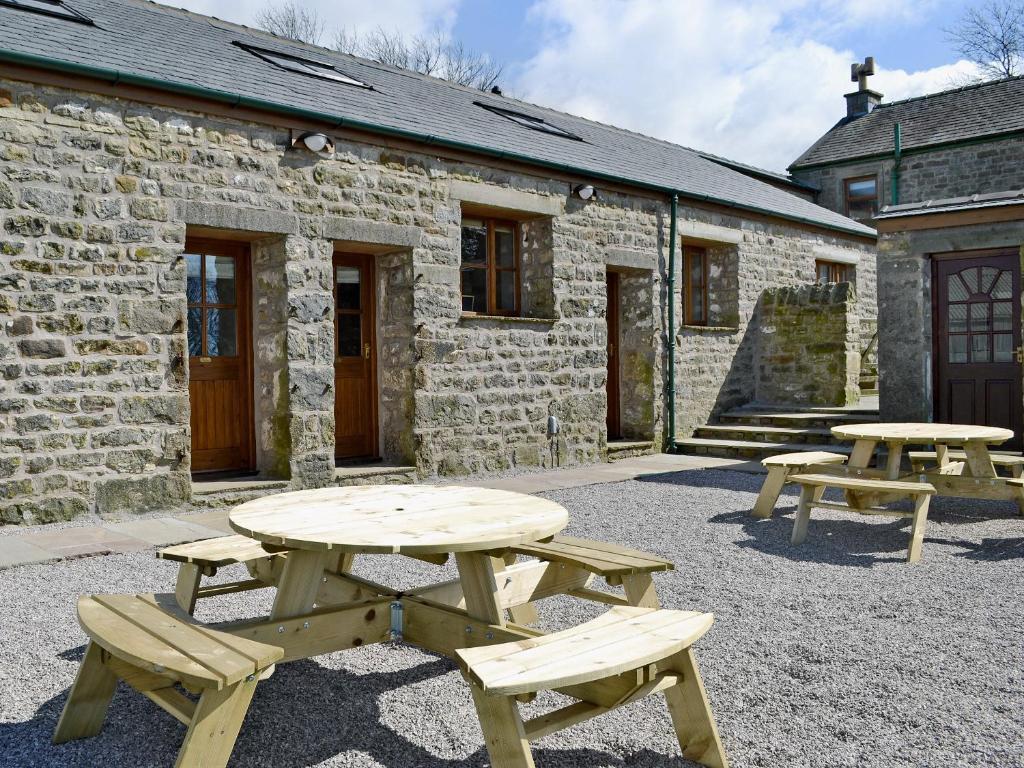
695	285
832	271
490	266
861	197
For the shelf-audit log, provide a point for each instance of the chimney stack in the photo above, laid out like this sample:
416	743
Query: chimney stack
863	100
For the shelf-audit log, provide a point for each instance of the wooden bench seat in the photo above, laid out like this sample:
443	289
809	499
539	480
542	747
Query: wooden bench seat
654	645
618	566
203	558
864	490
780	468
921	460
133	638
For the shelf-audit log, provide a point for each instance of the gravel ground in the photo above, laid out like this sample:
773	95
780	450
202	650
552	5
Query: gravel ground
833	654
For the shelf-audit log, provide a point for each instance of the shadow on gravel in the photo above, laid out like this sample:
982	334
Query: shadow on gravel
991	550
302	716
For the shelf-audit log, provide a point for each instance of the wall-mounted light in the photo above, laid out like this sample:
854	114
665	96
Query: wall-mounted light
584	191
317	143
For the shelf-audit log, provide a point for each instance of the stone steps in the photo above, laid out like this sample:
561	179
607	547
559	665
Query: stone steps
760	433
231	493
374	474
749	449
628	449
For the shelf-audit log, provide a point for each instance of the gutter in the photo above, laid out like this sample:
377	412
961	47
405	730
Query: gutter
897	157
116	77
670	392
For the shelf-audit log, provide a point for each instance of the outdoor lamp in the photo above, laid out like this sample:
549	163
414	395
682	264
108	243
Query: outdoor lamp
315	142
583	191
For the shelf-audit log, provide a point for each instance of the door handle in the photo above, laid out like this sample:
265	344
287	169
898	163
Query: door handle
366	350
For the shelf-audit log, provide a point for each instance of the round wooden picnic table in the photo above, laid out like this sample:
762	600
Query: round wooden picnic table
974	440
397	519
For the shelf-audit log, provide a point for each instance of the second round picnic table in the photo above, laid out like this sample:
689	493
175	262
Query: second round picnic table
973	477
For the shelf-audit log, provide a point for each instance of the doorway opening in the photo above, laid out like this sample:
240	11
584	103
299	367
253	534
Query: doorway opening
219	336
978	354
355	359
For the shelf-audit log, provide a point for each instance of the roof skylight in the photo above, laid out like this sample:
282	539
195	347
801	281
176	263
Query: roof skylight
49	8
529	121
302	66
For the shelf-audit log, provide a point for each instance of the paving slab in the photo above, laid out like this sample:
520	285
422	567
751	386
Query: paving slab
14	550
162	531
83	541
217	519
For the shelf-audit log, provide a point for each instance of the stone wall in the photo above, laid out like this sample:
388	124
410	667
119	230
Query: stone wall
905	342
97	196
994	166
717	365
808	346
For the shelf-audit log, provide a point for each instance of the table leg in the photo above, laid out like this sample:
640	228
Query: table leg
893	461
941	454
479	586
300	581
978	459
863	450
860	458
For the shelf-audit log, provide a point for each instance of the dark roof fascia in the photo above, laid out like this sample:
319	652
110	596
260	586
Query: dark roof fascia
758	173
113	77
918	150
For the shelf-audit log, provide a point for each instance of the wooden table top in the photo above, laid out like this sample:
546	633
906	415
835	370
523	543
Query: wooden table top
409	519
923	433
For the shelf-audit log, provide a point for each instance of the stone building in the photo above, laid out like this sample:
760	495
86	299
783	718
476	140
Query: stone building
950	311
956	143
227	252
941	176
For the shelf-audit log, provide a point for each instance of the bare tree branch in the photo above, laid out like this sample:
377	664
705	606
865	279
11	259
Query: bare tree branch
992	36
293	21
434	55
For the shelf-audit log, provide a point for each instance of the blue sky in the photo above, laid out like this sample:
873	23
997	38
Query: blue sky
754	80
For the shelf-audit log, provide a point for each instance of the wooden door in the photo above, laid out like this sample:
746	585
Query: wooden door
978	337
614	415
220	360
355	363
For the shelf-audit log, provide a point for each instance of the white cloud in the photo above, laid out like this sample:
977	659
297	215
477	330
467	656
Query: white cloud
408	16
738	78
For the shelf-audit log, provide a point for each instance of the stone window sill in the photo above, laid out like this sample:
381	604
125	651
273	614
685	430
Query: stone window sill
470	316
710	328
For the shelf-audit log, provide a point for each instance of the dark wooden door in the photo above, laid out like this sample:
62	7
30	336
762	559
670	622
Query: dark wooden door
355	378
220	360
614	415
978	337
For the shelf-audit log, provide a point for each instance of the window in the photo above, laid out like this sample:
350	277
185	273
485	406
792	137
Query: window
213	305
529	121
49	8
861	197
832	272
695	285
490	266
303	66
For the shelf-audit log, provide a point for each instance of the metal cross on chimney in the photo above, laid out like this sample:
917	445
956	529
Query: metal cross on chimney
859	73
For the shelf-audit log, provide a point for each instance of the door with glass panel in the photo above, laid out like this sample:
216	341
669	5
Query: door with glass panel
219	350
978	340
355	390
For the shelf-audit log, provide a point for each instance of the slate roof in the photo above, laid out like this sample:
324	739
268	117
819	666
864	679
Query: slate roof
971	112
137	38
